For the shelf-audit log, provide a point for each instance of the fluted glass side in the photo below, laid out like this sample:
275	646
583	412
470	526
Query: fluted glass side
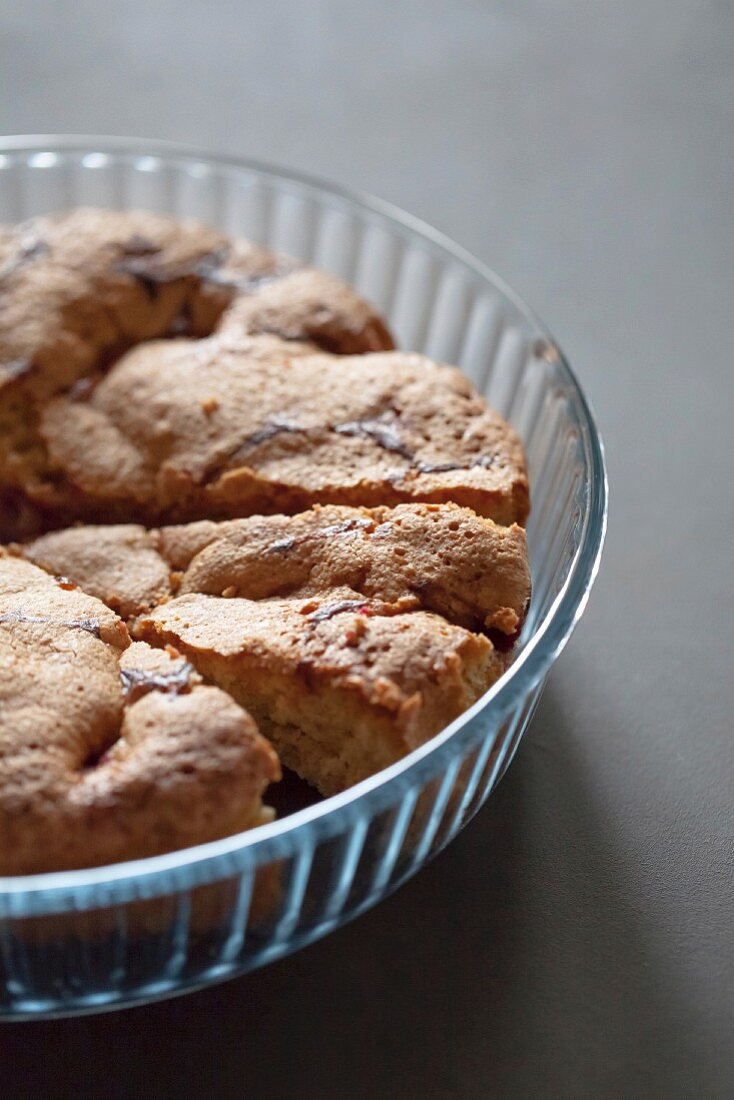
86	940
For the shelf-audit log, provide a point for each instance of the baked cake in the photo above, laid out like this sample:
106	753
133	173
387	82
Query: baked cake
304	531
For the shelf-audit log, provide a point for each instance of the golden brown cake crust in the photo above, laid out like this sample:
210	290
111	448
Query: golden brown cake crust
180	430
440	558
110	751
77	285
437	557
78	289
117	564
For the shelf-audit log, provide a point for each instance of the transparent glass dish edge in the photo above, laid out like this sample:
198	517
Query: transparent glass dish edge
489	731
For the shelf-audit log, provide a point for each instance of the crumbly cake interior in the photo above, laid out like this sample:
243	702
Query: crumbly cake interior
340	687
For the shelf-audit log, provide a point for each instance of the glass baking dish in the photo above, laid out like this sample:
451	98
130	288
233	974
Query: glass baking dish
89	940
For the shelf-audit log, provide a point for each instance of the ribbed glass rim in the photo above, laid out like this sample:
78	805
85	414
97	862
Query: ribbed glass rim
55	892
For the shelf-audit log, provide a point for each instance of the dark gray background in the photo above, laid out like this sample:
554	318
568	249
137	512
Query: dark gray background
576	940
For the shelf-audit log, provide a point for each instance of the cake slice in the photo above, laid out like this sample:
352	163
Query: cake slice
351	634
439	558
180	430
119	564
110	751
342	685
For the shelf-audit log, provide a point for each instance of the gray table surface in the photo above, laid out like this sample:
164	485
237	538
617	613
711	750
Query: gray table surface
576	939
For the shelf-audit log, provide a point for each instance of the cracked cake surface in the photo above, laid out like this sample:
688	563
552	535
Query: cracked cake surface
110	750
78	289
241	525
181	430
440	558
352	635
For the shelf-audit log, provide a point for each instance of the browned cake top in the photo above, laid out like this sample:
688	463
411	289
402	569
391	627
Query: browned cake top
77	285
185	430
71	288
118	564
109	751
440	558
342	630
79	289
